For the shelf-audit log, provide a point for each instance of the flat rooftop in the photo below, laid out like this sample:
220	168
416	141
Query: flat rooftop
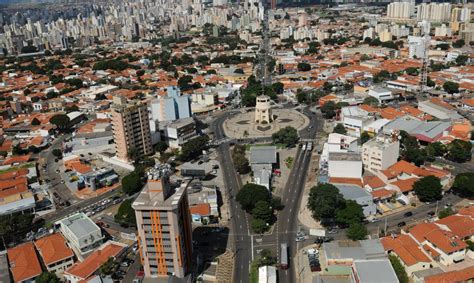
80	225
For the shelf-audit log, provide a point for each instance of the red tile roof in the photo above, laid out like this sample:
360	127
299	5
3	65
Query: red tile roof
24	263
462	226
202	209
53	248
406	248
462	275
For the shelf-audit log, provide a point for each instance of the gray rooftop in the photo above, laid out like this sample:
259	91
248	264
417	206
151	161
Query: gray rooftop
263	154
366	249
4	273
428	272
345	156
352	192
375	271
416	127
80	225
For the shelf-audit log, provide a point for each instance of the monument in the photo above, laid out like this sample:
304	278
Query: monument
263	111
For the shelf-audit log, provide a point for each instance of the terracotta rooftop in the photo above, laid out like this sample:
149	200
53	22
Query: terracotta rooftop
24	263
53	248
463	275
202	209
406	248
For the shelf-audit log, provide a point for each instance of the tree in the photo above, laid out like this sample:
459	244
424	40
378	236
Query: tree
412	71
443	46
61	121
193	148
340	129
47	277
258	225
459	151
370	100
72	108
35	122
364	137
428	189
57	152
303	67
464	184
262	210
126	214
459	43
356	231
435	149
399	269
134	154
131	183
239	71
451	87
108	268
250	194
241	163
278	87
461	60
161	147
287	136
329	109
351	213
445	213
29	49
324	200
364	57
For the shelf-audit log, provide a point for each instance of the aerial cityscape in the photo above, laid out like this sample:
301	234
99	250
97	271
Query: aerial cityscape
251	141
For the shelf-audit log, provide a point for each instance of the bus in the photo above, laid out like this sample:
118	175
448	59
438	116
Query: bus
284	256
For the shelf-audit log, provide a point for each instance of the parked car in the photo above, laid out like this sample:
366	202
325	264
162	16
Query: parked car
401	224
408	214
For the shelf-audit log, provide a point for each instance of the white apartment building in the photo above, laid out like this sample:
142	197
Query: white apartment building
401	10
382	94
418	46
434	12
355	119
380	153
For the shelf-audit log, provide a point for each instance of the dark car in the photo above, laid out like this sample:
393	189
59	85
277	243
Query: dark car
401	224
431	213
408	214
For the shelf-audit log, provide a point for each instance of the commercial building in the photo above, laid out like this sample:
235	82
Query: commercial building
345	165
262	160
439	109
55	253
381	94
380	152
131	128
164	228
178	132
354	119
99	178
82	234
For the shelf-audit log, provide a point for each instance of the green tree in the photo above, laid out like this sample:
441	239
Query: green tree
370	100
278	87
61	121
464	184
193	148
364	57
451	87
241	163
250	194
435	149
340	129
35	122
287	136
303	67
72	108
443	46
57	152
356	231
239	71
258	225
459	151
126	214
461	60
445	213
324	200
412	71
351	213
47	277
459	43
132	183
108	267
161	147
399	269
329	109
262	210
428	189
364	137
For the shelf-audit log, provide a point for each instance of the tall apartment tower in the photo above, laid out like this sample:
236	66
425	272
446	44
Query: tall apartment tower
164	228
131	127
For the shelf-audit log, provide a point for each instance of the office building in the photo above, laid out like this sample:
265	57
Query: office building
380	152
131	128
164	227
177	133
82	234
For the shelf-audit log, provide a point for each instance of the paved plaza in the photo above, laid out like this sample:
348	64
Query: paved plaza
243	125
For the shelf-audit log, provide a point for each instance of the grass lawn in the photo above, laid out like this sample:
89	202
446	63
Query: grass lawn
253	272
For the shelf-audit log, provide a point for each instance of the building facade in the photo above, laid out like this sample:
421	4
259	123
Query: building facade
131	128
164	228
380	153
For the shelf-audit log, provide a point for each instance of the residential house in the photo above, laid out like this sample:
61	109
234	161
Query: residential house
55	253
24	263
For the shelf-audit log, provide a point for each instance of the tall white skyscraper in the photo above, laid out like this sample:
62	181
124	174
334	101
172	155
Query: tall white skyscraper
401	10
434	12
418	46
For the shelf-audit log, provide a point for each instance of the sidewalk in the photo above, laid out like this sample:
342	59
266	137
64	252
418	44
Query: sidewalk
304	214
301	263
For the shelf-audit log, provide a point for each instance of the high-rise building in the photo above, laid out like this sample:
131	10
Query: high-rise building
401	10
164	228
418	46
434	12
461	15
380	153
131	128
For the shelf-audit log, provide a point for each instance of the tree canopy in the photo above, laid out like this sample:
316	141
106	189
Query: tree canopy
351	213
132	183
451	87
399	269
250	194
126	214
459	151
193	148
464	184
287	136
428	189
340	129
324	200
47	277
356	231
61	121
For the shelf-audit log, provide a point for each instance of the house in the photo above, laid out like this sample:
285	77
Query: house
262	161
15	195
381	94
463	275
411	255
82	234
55	253
83	271
354	119
24	263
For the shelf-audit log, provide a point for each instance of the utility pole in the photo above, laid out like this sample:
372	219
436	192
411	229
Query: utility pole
385	227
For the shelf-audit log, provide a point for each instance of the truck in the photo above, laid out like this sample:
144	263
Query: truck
284	256
317	232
